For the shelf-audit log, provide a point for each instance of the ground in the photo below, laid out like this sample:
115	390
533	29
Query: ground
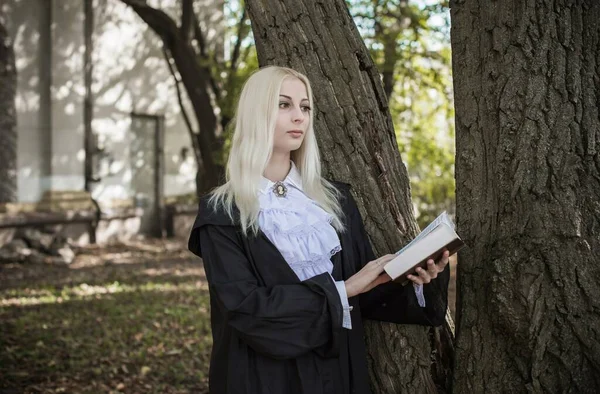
127	318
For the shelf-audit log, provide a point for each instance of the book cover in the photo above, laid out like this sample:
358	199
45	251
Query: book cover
429	244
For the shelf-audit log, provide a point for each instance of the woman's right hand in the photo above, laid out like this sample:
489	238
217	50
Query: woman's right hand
368	277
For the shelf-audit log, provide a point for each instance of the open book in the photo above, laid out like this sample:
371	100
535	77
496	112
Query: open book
429	244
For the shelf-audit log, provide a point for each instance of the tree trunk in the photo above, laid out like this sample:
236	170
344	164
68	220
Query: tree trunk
358	146
196	81
8	117
388	68
527	92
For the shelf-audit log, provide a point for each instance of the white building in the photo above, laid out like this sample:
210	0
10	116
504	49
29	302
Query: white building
133	98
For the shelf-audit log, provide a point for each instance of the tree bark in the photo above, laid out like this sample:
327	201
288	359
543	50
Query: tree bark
8	117
527	92
358	146
388	68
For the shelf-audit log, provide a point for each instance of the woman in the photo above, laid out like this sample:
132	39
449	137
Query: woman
290	267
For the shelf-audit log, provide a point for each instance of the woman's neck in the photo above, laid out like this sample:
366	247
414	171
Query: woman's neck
278	167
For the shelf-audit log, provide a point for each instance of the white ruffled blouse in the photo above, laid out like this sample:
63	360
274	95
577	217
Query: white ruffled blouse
302	232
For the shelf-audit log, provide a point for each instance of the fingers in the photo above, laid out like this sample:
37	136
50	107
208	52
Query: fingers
433	269
369	276
415	279
381	279
421	276
378	264
425	276
441	265
383	260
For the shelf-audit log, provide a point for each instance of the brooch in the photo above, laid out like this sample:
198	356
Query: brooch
279	189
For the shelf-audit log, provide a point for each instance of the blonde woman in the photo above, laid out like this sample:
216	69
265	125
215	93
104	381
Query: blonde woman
290	268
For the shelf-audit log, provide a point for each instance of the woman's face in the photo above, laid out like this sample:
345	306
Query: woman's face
293	116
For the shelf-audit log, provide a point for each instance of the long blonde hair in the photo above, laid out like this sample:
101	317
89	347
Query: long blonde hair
252	146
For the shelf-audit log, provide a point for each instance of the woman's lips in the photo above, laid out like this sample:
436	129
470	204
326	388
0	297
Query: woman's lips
295	133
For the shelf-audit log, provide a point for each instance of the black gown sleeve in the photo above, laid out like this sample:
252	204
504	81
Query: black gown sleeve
392	302
282	321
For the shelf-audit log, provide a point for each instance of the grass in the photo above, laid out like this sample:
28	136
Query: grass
138	324
129	318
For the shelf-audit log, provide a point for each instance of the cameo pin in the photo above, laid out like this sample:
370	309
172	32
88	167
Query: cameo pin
279	189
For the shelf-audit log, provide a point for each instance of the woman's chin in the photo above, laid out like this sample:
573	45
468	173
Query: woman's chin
289	147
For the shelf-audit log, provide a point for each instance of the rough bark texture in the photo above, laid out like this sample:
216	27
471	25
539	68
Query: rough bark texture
358	146
8	118
527	92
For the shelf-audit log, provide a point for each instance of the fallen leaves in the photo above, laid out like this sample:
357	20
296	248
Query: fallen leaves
118	329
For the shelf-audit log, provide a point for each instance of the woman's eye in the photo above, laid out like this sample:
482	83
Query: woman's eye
306	108
284	105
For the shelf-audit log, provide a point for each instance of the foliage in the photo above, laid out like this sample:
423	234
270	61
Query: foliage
230	71
239	33
423	118
409	42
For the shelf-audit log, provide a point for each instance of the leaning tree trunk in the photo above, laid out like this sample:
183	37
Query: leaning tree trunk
358	146
8	118
527	92
196	81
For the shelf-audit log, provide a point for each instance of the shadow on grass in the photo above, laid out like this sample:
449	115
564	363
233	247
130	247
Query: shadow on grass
172	271
140	327
152	339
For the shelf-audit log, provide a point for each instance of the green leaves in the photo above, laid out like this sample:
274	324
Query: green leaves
410	43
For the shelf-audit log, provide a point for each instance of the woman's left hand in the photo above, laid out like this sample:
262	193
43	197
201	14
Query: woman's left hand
433	269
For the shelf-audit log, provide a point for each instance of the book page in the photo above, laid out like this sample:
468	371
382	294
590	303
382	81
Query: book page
442	218
446	219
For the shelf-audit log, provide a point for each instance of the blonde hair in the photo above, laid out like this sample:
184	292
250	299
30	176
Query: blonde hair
252	146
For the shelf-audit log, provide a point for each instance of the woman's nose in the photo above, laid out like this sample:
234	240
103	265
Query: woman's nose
298	115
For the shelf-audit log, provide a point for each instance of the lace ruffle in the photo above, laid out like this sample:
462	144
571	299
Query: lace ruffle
301	230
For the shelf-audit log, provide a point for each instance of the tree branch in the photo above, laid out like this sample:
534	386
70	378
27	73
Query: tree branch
199	38
159	21
196	80
186	117
187	18
242	31
205	58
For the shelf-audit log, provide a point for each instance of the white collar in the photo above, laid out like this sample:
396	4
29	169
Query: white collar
293	178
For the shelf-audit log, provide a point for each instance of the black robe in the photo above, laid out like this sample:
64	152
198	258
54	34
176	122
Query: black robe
273	333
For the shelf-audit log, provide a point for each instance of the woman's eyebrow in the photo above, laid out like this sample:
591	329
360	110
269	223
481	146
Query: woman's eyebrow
289	98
